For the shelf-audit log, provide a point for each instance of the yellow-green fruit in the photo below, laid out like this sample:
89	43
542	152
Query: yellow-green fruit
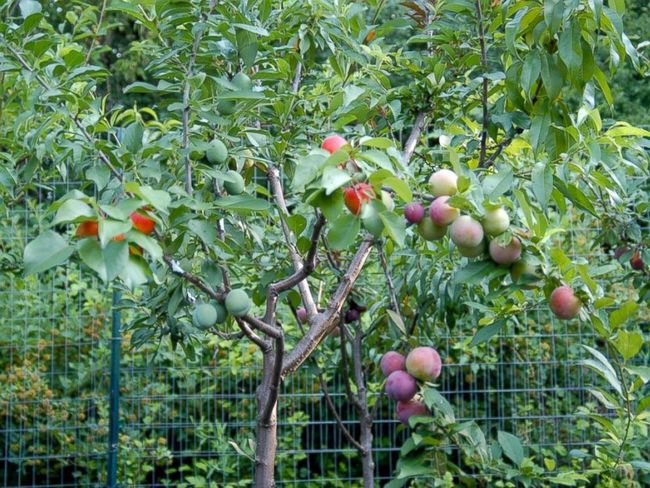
249	162
204	316
430	231
236	185
242	82
238	303
226	107
217	153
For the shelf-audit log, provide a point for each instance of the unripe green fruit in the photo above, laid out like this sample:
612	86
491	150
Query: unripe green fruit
238	303
430	231
242	82
472	252
217	153
237	185
204	316
227	107
222	313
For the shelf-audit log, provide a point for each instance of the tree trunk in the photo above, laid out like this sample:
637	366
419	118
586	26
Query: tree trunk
267	438
368	463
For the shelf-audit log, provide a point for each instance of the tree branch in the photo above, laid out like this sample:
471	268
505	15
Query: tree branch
301	274
324	322
186	105
412	141
337	417
278	195
389	280
276	379
296	78
248	332
96	32
484	95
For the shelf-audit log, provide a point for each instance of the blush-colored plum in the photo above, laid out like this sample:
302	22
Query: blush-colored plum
564	303
401	386
466	232
507	254
405	410
443	182
302	315
430	231
333	143
414	212
424	363
636	261
496	221
441	212
392	361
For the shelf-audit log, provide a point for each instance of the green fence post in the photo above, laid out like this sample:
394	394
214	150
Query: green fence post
114	394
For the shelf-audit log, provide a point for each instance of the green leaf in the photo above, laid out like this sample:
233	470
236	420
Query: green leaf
246	46
111	228
397	320
333	179
539	127
206	231
46	251
628	344
497	184
570	49
116	256
400	188
439	405
511	446
542	182
73	211
344	231
530	71
308	168
626	311
476	271
551	76
621	129
395	227
379	142
642	372
90	252
602	366
486	333
242	203
149	244
135	273
132	139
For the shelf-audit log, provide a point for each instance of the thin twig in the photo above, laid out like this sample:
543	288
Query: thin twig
337	417
389	279
296	79
186	104
278	195
412	141
96	33
484	95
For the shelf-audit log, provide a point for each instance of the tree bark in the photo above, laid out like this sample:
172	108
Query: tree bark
267	439
367	461
365	418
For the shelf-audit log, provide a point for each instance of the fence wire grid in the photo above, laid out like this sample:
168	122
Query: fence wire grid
180	420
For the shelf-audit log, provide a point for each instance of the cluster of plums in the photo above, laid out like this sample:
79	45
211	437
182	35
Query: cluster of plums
422	363
215	152
467	233
206	315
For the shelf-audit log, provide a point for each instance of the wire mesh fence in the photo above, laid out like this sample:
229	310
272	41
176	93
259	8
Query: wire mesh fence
191	423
